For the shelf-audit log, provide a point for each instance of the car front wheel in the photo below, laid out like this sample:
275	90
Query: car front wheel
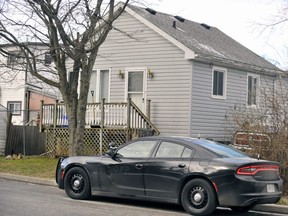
76	183
198	197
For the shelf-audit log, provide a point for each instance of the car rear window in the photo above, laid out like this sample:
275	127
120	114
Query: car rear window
220	149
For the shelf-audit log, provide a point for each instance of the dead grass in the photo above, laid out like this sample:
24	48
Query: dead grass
41	167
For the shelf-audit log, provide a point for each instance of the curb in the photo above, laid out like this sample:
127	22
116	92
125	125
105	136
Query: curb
280	209
27	179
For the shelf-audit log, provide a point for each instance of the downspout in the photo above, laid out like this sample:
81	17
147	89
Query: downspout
190	102
25	112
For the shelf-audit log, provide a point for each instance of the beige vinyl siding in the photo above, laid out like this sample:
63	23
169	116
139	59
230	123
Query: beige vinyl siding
169	89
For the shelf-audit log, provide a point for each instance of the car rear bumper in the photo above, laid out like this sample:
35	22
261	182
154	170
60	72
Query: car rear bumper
248	191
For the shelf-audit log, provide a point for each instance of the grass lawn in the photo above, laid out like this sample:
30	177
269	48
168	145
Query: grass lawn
42	167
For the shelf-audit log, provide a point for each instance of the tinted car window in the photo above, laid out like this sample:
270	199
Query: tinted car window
220	149
140	149
173	150
187	153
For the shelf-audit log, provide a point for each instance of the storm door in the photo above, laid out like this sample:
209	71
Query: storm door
136	87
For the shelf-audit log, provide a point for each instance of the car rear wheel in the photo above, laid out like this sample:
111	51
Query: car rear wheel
198	197
76	183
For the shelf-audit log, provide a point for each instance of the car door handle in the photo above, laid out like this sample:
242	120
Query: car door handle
139	166
181	165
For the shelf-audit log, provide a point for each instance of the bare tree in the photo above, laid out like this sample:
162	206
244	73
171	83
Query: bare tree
276	24
73	31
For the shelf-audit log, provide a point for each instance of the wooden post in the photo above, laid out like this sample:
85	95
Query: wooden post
55	114
148	108
41	116
102	124
128	118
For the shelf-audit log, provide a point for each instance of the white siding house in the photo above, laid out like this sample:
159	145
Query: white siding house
192	73
16	84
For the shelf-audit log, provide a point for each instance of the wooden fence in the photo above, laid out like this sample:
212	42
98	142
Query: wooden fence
25	140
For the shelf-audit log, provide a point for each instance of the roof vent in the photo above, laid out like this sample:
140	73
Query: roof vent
150	10
206	26
174	24
181	19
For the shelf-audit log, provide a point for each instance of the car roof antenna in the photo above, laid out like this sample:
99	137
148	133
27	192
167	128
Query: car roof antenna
258	156
199	136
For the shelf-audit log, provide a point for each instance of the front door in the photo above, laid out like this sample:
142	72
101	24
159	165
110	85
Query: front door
136	87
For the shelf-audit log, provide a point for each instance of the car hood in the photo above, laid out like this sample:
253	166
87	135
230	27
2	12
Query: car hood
81	159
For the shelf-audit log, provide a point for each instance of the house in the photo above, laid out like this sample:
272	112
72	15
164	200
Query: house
20	92
3	128
192	73
185	76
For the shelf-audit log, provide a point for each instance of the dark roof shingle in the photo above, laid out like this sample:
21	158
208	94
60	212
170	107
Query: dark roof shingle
206	41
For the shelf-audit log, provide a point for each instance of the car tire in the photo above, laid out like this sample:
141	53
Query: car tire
198	197
77	184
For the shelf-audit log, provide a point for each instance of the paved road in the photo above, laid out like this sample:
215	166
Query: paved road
26	199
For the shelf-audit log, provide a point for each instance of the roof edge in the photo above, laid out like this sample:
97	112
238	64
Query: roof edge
239	65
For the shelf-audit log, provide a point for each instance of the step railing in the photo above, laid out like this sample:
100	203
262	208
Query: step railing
100	115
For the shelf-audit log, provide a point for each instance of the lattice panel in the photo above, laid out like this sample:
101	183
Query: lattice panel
57	140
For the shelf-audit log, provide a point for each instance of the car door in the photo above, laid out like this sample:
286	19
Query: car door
124	173
164	171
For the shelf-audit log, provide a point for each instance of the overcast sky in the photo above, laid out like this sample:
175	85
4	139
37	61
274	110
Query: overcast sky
239	19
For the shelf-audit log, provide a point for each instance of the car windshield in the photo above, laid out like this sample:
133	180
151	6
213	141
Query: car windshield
220	149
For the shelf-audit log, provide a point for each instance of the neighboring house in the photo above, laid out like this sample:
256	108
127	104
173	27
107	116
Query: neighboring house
19	90
193	73
3	128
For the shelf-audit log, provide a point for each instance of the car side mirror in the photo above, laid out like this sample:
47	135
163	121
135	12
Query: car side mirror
112	149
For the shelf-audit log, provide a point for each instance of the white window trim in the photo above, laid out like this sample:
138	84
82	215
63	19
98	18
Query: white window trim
257	90
18	112
224	70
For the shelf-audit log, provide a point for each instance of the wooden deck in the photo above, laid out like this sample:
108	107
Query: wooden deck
100	115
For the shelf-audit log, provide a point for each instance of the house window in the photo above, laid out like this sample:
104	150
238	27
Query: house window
99	86
219	83
47	58
252	89
14	58
14	107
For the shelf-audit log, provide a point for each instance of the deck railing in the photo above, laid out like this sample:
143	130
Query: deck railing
126	115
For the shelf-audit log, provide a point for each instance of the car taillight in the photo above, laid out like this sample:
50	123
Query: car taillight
252	170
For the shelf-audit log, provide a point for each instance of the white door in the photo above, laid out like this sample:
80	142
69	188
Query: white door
136	87
99	86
